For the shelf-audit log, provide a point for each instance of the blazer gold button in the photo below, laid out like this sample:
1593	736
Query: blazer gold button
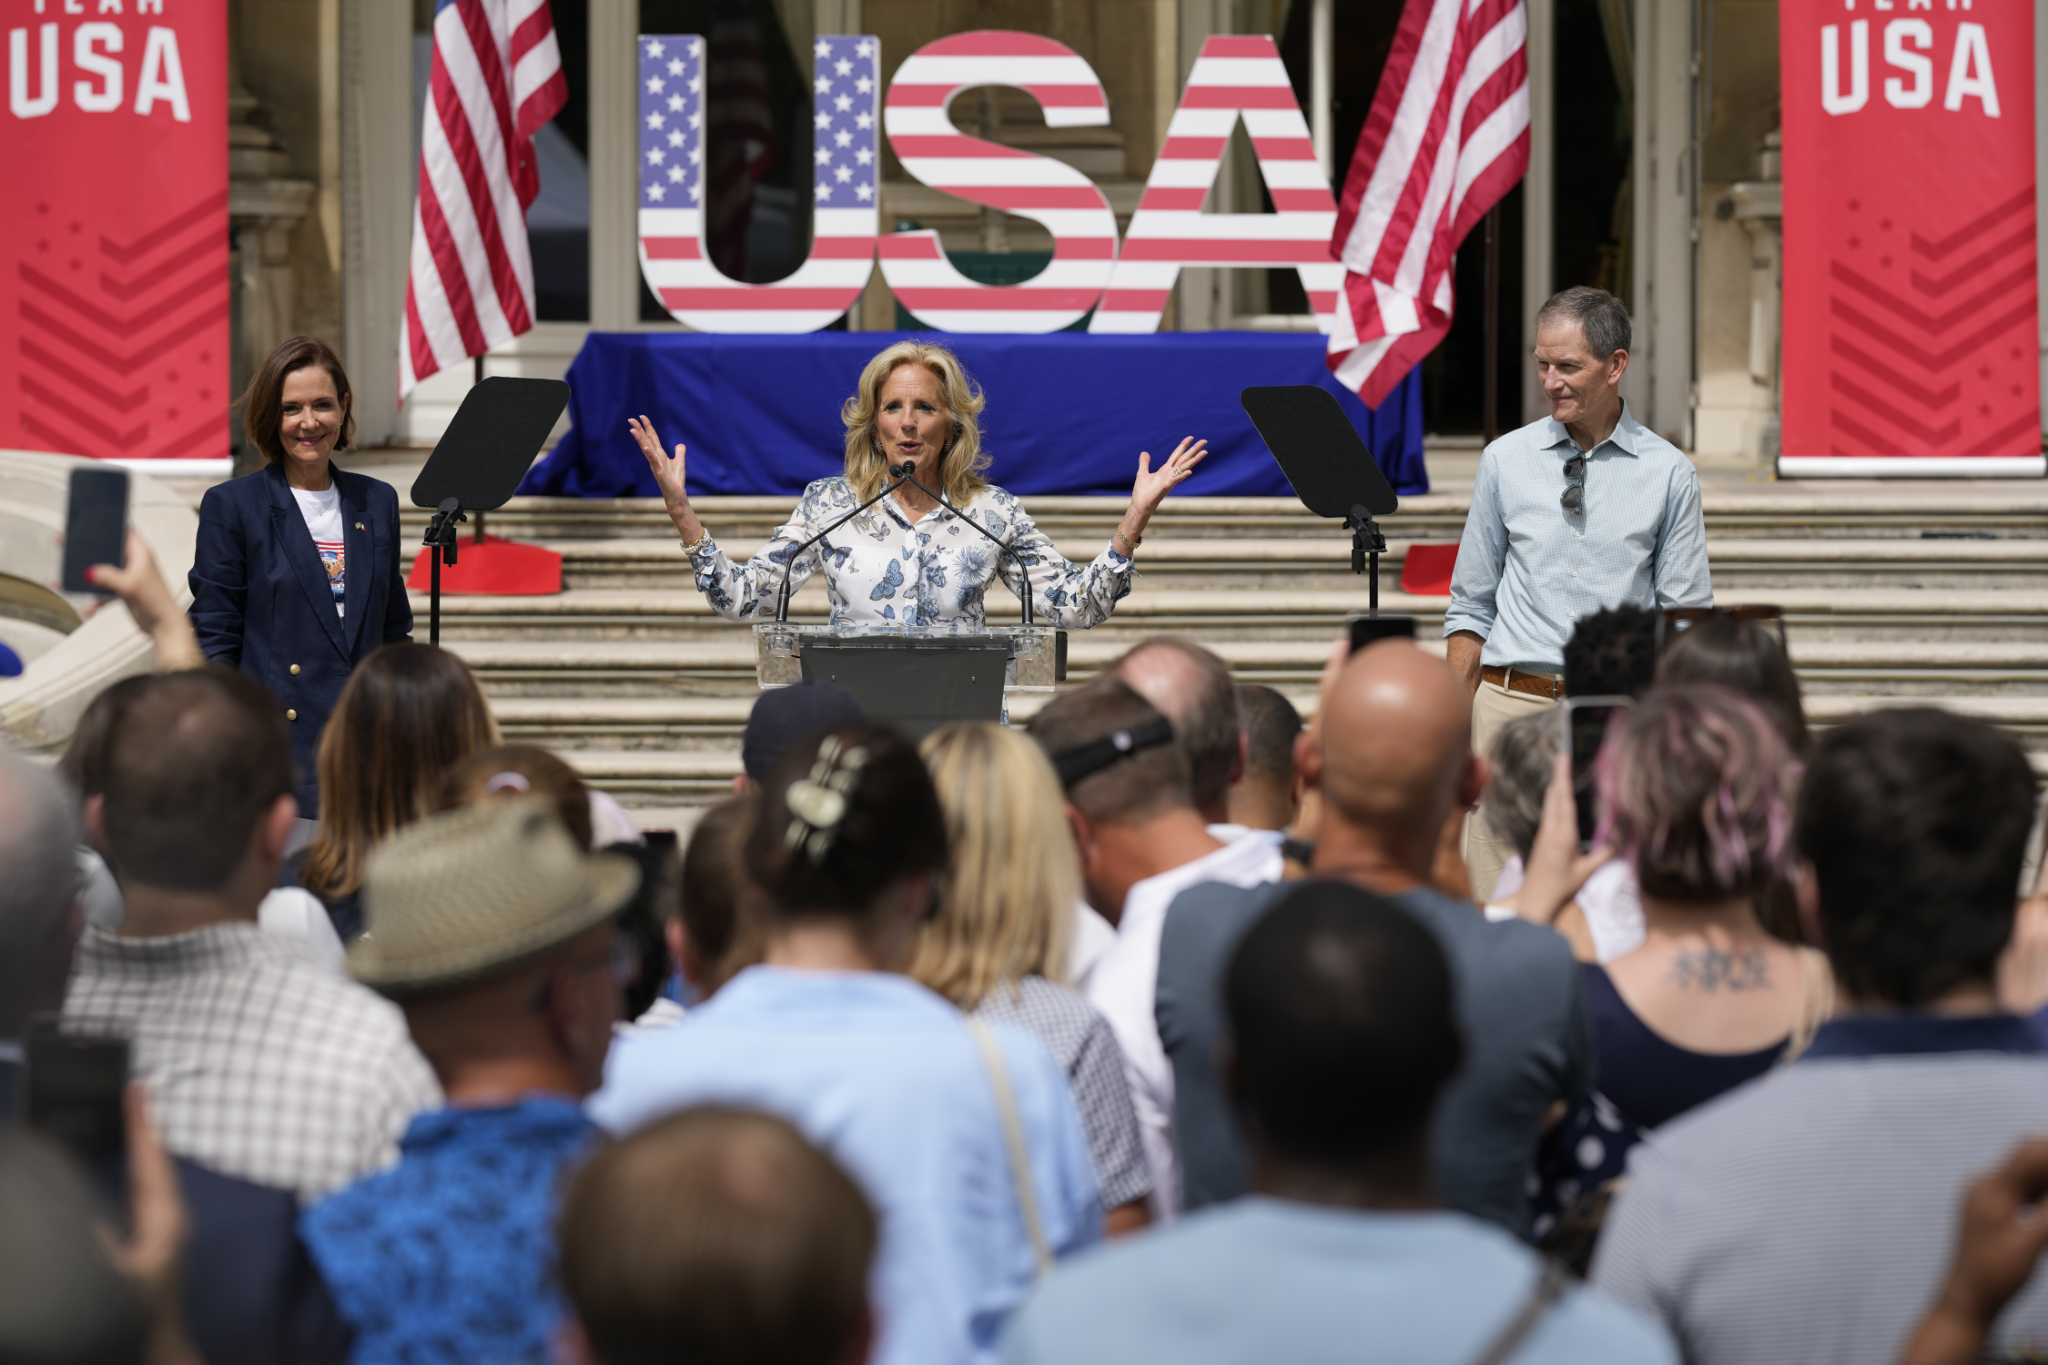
295	670
291	713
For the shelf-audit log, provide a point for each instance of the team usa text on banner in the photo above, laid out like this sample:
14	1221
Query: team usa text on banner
1235	78
114	308
1911	298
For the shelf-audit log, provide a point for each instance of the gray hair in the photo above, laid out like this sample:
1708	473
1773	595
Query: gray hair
39	835
1598	313
1522	756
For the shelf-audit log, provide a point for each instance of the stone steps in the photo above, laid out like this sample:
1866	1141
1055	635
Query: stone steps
712	669
711	725
1887	511
1297	563
655	783
678	612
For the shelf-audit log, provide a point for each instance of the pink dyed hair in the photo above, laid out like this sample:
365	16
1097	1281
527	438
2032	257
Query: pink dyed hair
1696	790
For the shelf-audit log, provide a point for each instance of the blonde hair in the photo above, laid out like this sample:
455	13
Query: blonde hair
961	467
1008	903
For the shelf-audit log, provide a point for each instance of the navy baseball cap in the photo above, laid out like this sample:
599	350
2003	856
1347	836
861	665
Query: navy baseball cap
784	717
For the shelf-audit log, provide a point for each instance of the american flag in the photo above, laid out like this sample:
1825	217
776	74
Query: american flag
1447	137
497	77
1237	78
846	188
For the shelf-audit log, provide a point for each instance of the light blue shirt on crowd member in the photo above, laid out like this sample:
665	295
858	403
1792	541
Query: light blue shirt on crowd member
1265	1279
1528	569
885	1076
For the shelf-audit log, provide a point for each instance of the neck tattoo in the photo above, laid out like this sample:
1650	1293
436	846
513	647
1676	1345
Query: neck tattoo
1715	969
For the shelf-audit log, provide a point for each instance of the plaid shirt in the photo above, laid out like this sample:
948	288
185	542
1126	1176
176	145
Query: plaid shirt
258	1063
1085	1046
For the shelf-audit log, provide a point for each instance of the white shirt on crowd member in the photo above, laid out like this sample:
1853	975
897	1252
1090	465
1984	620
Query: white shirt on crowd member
1124	982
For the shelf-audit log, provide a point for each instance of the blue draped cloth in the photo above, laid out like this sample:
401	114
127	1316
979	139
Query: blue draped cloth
1067	413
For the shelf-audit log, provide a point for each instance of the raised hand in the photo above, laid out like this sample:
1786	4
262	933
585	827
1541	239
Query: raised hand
667	469
668	476
1153	485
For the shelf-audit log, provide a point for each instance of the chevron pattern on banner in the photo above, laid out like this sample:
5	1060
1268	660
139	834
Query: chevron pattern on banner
98	314
1932	338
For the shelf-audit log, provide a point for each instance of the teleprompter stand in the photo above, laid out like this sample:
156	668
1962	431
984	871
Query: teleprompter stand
1330	469
479	461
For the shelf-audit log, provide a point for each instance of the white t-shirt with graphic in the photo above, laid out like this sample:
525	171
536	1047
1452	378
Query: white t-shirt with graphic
322	511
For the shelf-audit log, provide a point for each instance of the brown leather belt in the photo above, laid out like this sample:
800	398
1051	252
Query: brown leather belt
1546	685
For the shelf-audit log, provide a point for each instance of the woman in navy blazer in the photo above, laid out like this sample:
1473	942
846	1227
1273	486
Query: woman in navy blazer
296	576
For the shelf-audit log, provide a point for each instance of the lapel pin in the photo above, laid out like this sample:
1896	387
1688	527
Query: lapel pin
361	527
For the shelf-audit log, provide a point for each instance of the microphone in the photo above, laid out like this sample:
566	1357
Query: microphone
909	475
898	473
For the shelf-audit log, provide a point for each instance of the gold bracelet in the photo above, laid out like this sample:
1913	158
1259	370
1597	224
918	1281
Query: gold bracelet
691	547
1133	542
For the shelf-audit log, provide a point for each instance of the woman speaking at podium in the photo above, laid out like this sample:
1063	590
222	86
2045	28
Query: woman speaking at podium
909	560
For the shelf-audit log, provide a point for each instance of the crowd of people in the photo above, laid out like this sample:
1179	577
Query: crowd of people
1172	1025
1163	1027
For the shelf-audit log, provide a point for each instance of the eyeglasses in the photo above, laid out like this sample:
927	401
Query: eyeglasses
1675	621
1574	496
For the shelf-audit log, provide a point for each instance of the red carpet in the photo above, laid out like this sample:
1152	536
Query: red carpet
492	568
1426	570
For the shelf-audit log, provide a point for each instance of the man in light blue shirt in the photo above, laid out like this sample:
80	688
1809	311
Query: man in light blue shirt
1584	509
1342	1036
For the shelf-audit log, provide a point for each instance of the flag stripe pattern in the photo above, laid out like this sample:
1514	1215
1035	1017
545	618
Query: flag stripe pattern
846	103
497	77
1046	191
1447	137
1235	77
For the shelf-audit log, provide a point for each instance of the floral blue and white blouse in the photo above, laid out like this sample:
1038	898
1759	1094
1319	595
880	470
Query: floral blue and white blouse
882	567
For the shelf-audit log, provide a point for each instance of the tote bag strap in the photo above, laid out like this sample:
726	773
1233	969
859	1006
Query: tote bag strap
1543	1297
1013	1140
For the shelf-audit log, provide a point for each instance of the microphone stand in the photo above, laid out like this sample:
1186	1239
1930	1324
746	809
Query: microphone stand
910	477
899	473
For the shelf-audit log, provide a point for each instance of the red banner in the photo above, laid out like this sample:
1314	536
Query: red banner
114	237
1910	290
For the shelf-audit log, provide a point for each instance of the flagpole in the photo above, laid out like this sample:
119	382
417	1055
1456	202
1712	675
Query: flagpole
1490	284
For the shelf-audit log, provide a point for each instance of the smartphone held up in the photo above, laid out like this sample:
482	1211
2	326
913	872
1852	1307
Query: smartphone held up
1586	722
95	525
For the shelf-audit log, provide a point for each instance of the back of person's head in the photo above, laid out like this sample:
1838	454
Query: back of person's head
407	715
39	833
1395	763
717	906
784	717
1612	653
1270	725
1524	752
1144	776
1008	902
1915	823
717	1235
84	764
197	762
509	770
1192	688
844	817
1746	657
61	1300
1696	788
1341	1027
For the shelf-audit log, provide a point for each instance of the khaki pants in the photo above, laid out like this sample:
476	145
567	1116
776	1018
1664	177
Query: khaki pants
1486	853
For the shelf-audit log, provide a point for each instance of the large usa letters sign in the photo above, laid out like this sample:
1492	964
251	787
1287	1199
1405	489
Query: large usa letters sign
1234	79
114	299
1910	344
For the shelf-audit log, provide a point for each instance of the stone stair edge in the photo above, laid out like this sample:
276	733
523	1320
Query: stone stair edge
1241	601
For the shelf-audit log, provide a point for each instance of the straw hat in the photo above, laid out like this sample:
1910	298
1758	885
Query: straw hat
457	896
